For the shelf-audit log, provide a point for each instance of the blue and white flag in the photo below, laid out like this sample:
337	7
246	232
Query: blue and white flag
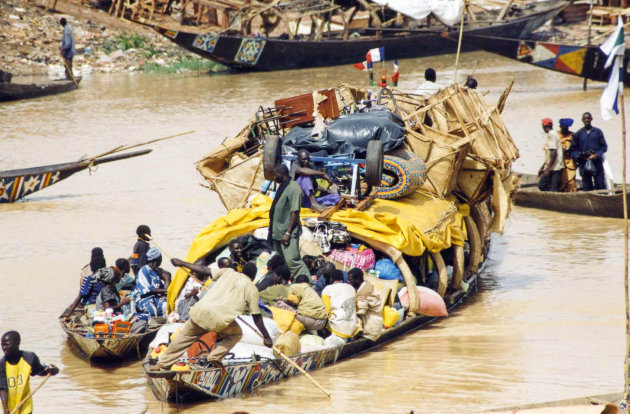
614	48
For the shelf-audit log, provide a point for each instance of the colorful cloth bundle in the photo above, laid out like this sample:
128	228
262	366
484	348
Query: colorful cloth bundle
402	175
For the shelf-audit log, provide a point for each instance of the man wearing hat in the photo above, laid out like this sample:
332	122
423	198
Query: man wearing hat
566	136
551	171
149	293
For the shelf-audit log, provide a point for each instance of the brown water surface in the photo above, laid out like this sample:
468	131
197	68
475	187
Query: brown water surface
546	324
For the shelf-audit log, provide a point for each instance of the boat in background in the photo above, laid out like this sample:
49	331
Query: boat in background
15	91
17	184
602	203
249	52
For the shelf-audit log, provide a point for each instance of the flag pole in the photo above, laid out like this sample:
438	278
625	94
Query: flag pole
588	41
459	42
626	374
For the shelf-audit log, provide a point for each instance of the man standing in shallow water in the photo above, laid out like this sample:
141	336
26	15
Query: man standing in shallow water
15	369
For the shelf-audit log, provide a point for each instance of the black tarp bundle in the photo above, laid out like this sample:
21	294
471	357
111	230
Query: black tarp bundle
349	134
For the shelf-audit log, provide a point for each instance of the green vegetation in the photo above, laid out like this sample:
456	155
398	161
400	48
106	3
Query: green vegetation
126	41
188	64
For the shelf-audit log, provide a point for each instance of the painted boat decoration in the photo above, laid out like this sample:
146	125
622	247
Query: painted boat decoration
269	53
582	61
110	347
17	184
16	91
602	203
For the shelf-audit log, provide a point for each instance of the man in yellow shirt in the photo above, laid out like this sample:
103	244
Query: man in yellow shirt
16	367
230	296
309	308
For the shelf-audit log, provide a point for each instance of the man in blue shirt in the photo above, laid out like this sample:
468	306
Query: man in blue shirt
589	144
67	46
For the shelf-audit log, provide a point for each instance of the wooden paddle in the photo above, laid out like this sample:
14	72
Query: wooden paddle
17	407
286	358
148	236
126	147
70	72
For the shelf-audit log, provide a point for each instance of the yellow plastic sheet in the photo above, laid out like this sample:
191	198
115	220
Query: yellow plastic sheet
412	224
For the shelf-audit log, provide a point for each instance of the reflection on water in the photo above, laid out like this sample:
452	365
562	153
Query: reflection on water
547	322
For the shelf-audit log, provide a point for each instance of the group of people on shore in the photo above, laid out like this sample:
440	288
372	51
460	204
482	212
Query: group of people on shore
567	152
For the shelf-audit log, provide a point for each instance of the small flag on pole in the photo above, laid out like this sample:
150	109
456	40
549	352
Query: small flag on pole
375	55
361	66
614	48
396	73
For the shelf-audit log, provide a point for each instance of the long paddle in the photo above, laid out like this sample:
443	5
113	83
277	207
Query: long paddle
126	147
70	72
148	236
286	358
17	407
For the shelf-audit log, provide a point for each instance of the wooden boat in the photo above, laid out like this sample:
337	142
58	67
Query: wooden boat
583	61
603	203
270	53
17	184
244	378
111	347
16	91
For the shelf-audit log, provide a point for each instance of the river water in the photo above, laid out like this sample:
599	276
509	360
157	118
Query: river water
546	324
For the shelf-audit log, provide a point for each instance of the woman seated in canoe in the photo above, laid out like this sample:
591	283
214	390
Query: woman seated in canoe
108	297
314	195
149	293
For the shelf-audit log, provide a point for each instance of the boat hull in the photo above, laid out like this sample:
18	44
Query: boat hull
251	53
239	379
17	91
593	203
111	350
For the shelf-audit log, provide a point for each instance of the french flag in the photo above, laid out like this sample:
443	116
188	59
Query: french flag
396	74
365	65
375	55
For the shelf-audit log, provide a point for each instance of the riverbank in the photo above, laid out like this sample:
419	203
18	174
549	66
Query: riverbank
30	40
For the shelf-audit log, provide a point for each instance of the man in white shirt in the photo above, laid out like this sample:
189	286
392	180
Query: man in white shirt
551	171
429	86
340	301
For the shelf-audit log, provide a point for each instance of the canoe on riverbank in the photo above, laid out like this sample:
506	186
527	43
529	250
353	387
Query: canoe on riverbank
17	184
17	91
603	203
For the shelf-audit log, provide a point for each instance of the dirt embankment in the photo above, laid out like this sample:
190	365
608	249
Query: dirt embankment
30	40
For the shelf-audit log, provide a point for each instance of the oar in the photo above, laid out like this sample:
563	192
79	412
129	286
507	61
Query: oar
126	147
148	236
17	407
286	358
70	72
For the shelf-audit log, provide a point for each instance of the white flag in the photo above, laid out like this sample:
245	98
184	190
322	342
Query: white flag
608	101
615	45
615	48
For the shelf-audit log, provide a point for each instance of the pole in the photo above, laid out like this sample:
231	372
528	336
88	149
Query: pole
625	235
588	39
148	236
70	72
286	358
459	42
17	407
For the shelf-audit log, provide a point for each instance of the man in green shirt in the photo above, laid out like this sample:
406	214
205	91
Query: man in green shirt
284	221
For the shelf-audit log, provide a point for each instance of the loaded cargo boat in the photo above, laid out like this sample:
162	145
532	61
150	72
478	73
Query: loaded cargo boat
445	185
273	36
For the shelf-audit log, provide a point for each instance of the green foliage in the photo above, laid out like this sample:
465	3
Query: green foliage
184	65
126	41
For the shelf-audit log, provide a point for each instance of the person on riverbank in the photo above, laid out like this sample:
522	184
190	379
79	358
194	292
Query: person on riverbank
67	47
16	368
551	171
308	307
140	249
284	221
589	144
150	290
566	136
307	178
230	296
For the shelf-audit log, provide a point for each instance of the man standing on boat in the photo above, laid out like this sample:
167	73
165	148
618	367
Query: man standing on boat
566	137
284	221
588	148
67	47
551	171
230	296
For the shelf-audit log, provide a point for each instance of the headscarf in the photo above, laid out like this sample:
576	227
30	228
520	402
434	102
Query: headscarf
547	122
153	254
97	261
105	275
566	122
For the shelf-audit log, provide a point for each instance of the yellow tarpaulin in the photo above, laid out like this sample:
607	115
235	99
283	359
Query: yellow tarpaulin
412	224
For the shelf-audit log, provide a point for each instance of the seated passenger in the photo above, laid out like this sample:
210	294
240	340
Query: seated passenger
369	305
109	298
280	288
189	294
340	301
324	277
127	281
304	301
97	261
269	279
236	254
314	197
149	291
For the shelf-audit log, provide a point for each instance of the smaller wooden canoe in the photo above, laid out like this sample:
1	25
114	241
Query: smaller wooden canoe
17	91
603	203
16	184
113	349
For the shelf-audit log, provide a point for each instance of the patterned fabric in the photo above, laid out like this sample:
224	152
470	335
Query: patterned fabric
147	281
90	288
107	294
105	275
351	257
250	50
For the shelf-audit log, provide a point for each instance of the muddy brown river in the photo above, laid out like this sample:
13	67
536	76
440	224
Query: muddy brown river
547	322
